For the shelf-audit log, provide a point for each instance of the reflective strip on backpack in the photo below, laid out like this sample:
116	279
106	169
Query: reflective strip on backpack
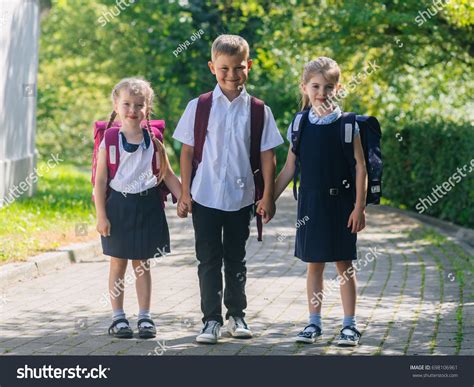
113	154
297	122
375	189
348	133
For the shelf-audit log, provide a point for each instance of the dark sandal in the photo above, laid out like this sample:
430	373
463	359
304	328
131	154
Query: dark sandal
349	340
121	333
146	332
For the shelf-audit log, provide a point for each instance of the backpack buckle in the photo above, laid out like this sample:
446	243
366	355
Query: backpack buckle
333	191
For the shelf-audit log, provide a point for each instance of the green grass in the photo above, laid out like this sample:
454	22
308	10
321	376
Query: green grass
47	220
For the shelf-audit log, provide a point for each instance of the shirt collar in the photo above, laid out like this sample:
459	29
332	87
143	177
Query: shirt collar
331	117
133	147
217	93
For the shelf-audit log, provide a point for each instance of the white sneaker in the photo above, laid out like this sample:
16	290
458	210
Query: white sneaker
237	327
210	333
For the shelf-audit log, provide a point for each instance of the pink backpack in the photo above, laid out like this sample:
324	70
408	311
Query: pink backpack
111	136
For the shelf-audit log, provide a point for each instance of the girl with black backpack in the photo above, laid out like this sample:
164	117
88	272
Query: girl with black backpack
331	194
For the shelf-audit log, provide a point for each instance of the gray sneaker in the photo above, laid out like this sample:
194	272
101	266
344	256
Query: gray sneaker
237	327
210	333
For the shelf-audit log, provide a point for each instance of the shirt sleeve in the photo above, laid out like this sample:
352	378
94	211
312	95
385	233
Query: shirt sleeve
271	137
184	131
102	144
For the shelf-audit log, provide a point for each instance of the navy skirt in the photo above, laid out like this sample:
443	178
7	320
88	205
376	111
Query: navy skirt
322	234
139	229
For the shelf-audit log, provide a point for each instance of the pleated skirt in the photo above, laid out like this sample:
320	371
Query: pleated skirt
139	229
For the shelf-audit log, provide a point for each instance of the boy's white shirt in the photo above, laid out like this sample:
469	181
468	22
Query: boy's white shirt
224	179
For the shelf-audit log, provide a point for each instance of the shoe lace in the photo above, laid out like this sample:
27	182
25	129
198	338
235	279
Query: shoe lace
209	326
240	323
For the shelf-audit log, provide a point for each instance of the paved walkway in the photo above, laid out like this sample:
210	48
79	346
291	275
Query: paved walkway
411	299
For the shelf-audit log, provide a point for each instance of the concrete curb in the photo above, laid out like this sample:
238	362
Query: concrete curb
50	261
461	235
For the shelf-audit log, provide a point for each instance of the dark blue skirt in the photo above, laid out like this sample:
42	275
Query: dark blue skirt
322	234
139	229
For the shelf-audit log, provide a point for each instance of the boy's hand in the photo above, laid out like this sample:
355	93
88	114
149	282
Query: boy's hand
266	208
103	226
182	210
357	220
185	205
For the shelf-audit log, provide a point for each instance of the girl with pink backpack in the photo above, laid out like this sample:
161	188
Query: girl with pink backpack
128	198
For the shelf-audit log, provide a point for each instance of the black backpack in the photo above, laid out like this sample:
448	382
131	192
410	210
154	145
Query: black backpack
370	135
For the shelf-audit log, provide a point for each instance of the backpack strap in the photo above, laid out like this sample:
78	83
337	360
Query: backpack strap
154	163
201	121
111	138
164	190
297	126
257	118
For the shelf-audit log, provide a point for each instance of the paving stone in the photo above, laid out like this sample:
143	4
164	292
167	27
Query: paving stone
66	316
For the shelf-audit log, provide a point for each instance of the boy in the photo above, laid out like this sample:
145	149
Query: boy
219	188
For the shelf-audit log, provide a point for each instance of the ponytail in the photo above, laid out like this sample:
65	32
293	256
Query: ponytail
111	119
305	103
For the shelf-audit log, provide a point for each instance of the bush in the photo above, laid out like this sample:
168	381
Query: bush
418	156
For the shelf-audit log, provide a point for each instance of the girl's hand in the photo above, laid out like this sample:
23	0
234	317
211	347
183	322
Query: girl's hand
182	210
103	227
185	205
266	208
357	220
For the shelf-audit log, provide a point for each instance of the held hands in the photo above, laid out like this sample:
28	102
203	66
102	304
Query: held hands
184	205
266	208
357	220
103	226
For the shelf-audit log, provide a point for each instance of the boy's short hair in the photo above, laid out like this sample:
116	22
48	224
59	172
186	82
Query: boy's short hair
229	45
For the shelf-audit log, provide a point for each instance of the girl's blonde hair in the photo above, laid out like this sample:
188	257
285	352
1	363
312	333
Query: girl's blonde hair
139	86
323	65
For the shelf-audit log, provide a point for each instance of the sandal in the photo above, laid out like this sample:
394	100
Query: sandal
349	337
123	332
309	334
146	332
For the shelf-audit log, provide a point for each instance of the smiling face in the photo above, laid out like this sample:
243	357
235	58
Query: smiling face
231	72
130	107
320	93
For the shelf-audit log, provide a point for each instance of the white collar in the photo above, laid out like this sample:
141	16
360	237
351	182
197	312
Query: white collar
217	92
327	119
